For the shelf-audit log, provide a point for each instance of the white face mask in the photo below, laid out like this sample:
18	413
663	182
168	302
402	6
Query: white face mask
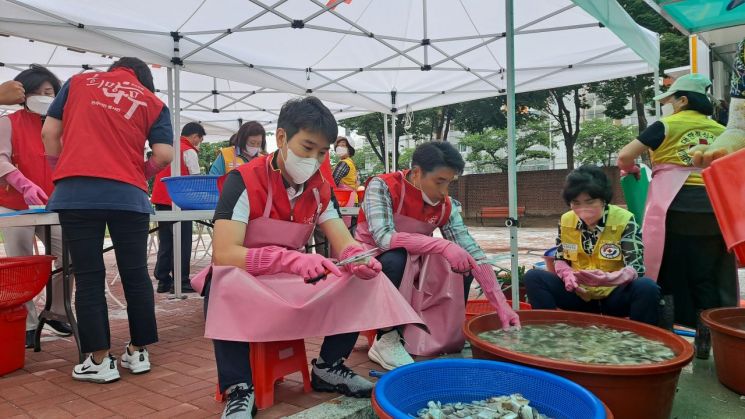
252	151
668	109
429	201
39	104
341	151
300	169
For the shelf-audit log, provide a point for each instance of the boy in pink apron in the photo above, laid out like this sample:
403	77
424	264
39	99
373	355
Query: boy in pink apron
400	212
599	259
257	290
684	249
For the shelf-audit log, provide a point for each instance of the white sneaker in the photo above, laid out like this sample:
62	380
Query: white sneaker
388	351
105	372
138	362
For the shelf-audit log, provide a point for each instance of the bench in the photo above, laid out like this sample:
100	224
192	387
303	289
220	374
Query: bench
498	212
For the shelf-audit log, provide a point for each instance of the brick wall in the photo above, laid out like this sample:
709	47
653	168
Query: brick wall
538	191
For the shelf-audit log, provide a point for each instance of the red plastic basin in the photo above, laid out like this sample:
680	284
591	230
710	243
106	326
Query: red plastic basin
630	391
727	327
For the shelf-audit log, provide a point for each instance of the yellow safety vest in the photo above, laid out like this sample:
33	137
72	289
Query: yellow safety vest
606	256
351	178
232	161
684	130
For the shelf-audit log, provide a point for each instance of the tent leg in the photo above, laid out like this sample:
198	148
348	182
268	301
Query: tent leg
394	148
511	152
176	171
385	146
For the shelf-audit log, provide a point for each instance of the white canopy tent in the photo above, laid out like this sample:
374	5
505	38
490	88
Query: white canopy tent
219	104
384	56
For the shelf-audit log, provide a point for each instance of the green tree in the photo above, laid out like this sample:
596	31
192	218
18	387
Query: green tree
616	94
564	105
489	148
208	153
423	126
600	139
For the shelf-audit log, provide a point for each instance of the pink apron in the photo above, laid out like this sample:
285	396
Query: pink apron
283	307
349	204
434	291
667	180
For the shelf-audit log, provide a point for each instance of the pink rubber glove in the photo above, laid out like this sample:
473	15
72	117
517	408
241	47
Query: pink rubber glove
633	170
52	161
274	259
596	277
566	273
151	168
484	275
368	270
419	244
32	194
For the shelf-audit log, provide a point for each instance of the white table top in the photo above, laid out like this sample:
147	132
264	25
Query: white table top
51	218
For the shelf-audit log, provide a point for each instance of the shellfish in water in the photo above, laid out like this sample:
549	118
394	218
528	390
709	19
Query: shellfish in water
514	406
586	344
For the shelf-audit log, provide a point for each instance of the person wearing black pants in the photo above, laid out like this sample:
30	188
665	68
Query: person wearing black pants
100	179
637	299
599	258
231	356
192	136
83	232
164	263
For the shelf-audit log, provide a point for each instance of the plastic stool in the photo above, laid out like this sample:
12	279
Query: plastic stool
271	362
370	335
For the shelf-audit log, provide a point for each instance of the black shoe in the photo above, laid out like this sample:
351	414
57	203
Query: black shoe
164	287
58	328
30	338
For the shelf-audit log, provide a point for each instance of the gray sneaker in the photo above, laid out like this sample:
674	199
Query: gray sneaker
338	378
240	402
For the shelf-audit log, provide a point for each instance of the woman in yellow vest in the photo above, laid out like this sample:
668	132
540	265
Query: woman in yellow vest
345	172
684	248
599	261
248	143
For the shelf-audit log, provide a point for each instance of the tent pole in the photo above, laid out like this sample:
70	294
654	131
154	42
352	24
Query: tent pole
385	146
512	168
394	148
176	166
169	80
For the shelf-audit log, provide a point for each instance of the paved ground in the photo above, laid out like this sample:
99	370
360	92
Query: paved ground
182	382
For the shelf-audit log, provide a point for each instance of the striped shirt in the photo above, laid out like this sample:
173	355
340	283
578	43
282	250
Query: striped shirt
378	208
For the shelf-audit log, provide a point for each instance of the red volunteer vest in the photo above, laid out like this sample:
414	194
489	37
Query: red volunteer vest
106	121
254	174
414	206
27	156
160	192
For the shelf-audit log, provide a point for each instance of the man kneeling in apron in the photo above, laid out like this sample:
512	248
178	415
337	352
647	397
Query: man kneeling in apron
400	212
257	290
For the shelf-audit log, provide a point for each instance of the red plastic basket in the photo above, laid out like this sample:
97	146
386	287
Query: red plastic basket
12	339
478	307
21	278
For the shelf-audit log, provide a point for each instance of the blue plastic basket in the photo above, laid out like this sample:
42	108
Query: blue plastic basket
405	390
196	192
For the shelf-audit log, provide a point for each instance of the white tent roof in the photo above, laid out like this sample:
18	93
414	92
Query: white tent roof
429	52
234	100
